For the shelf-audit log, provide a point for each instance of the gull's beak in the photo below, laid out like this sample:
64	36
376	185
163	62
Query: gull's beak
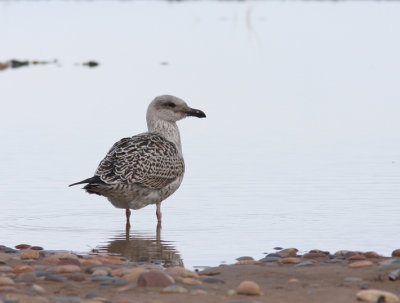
195	112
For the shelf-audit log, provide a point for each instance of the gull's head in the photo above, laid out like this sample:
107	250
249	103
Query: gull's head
171	109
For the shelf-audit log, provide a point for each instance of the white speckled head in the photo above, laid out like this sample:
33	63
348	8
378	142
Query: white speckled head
171	109
162	114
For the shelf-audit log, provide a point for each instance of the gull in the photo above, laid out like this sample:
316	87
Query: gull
147	168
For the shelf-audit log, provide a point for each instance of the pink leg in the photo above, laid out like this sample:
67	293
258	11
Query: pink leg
158	212
128	215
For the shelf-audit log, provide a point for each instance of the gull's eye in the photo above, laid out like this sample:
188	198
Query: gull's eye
170	104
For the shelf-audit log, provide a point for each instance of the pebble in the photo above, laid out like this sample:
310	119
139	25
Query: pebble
174	289
182	272
54	278
213	280
319	251
4	281
289	260
373	295
357	257
249	288
64	268
23	268
371	255
90	296
10	250
270	259
245	262
394	275
199	292
314	255
288	252
99	272
134	275
191	281
154	279
26	277
341	253
37	248
396	253
22	298
29	255
293	281
102	278
361	264
244	258
5	268
353	279
210	272
66	300
4	257
76	276
304	263
37	289
22	246
69	261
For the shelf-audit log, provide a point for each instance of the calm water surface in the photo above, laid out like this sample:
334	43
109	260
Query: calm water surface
300	148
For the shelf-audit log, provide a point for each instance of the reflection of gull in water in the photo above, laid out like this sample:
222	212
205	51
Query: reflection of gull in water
141	247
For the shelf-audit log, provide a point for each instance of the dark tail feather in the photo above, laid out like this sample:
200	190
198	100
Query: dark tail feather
95	179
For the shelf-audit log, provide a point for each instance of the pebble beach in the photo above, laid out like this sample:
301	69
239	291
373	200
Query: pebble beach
31	274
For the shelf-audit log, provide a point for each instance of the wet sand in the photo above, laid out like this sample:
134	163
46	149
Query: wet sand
31	274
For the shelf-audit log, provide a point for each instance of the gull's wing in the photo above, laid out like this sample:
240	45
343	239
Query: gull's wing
147	159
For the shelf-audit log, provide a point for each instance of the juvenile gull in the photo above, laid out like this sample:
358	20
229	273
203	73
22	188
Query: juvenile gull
146	168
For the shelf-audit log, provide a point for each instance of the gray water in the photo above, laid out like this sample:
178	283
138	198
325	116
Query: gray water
300	147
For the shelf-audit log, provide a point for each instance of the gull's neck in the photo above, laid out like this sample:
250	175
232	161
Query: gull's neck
166	129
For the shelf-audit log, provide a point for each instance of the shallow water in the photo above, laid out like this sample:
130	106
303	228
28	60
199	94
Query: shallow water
300	147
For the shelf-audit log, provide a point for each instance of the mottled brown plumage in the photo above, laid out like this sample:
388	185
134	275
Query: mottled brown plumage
146	168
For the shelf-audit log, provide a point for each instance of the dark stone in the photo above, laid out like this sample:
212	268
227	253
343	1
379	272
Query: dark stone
91	63
66	300
244	258
54	278
213	280
305	263
102	278
41	273
17	63
91	295
115	282
270	259
9	250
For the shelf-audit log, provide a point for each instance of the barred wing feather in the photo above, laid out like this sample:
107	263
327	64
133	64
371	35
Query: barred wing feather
146	159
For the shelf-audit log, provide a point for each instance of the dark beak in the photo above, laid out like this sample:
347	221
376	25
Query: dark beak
196	113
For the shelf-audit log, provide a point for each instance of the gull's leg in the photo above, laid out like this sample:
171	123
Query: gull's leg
158	212
128	215
158	232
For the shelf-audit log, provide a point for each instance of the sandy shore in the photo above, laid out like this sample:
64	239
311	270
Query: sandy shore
33	275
